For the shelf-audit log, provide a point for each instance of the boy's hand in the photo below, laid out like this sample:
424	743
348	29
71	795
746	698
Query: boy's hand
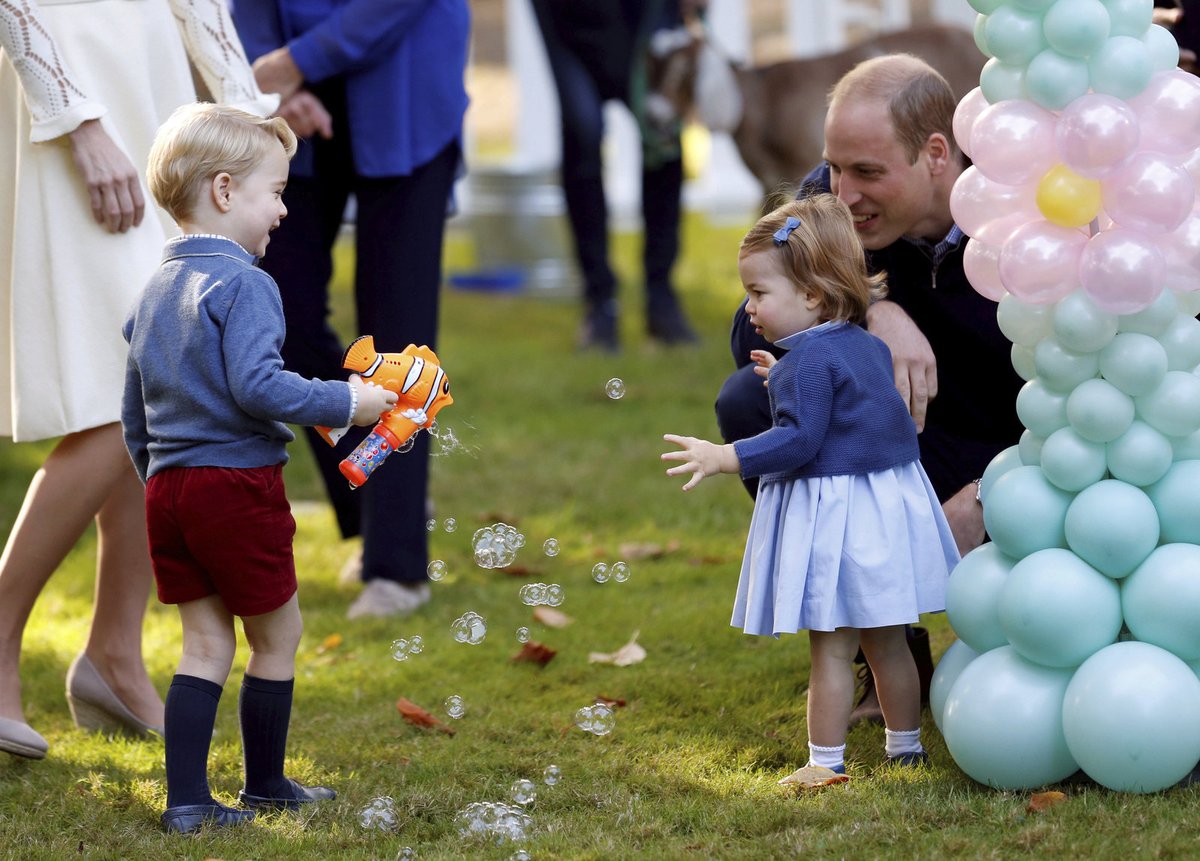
763	362
700	457
373	401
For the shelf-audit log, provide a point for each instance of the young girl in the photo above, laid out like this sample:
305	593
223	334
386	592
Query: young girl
847	540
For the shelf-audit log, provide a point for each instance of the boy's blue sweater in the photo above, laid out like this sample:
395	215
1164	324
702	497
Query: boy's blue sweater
835	410
205	384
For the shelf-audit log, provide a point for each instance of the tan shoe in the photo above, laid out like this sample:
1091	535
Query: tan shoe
20	739
94	706
381	597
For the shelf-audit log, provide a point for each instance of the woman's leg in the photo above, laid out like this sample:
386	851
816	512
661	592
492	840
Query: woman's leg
831	685
896	676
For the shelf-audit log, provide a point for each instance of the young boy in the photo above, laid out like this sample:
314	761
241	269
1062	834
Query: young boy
206	398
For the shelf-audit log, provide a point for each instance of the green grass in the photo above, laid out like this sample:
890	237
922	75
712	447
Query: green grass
713	718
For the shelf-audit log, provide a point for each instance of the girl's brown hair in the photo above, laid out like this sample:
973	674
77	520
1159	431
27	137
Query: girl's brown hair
822	254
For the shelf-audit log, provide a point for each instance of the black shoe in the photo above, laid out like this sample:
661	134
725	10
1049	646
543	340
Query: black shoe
909	760
301	794
186	818
669	326
867	709
599	330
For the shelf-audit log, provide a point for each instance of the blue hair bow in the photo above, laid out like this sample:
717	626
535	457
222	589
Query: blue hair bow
782	234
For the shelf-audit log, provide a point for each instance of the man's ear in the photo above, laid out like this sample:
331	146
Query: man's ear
937	153
221	190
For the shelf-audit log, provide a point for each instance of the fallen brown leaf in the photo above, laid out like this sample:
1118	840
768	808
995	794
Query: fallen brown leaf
535	653
1040	801
329	643
552	618
812	777
609	701
630	653
519	571
646	549
417	716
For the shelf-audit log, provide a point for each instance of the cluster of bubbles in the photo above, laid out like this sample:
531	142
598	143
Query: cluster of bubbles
496	546
598	719
469	628
436	570
379	814
551	547
447	442
455	707
404	648
502	822
534	594
522	634
523	792
602	572
615	388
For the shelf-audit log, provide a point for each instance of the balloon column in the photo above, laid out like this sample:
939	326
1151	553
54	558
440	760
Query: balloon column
1079	622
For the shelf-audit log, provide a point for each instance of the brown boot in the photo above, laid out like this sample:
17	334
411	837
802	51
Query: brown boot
868	704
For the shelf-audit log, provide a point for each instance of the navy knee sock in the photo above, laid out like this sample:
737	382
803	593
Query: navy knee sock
191	714
265	708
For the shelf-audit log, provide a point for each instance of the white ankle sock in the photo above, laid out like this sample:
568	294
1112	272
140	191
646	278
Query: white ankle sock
828	757
897	743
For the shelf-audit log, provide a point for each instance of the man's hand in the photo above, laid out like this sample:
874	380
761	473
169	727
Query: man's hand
277	72
701	458
111	179
965	516
913	361
306	115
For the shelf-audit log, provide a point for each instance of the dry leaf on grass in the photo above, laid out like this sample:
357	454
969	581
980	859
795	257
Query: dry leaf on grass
1040	801
552	618
534	652
519	571
812	777
609	701
417	716
329	643
646	549
630	653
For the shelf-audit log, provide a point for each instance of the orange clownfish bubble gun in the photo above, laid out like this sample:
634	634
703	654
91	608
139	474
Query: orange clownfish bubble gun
422	388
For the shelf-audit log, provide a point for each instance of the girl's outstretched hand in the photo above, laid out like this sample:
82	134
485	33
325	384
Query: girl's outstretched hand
763	360
700	457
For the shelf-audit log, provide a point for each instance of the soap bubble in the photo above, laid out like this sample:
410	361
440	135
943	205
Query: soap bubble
520	855
551	774
615	388
600	572
416	645
431	524
450	524
534	594
598	719
436	570
554	594
455	707
470	628
551	546
496	546
406	853
522	635
379	814
404	648
503	822
620	571
523	791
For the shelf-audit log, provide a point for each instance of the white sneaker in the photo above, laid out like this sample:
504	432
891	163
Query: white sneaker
381	597
351	572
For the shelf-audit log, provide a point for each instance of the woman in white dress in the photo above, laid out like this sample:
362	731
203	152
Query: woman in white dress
84	84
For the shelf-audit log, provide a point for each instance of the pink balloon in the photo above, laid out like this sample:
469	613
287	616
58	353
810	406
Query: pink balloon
1181	254
1191	163
1151	193
965	114
1121	271
1013	141
976	201
1095	134
981	263
1039	263
997	231
1168	111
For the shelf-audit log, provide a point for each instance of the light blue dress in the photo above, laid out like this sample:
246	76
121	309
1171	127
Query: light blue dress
857	551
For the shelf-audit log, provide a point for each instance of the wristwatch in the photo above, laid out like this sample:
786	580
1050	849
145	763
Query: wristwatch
978	487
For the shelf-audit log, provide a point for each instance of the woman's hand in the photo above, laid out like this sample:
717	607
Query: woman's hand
701	458
113	184
306	115
277	72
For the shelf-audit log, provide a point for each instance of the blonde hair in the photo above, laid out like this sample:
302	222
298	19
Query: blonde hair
919	100
199	141
822	255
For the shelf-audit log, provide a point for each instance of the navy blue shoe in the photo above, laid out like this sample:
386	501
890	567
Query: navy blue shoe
186	818
837	769
909	760
301	794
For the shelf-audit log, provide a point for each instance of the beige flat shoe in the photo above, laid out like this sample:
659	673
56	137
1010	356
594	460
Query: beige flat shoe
95	707
20	739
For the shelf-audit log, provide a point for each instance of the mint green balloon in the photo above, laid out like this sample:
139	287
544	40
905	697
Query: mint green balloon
1129	17
1161	600
1186	447
1007	460
1060	369
1023	322
1023	361
1013	35
980	35
1038	6
1131	717
1121	67
1076	28
1162	48
972	596
1154	318
1188	302
1054	80
1001	81
952	662
1024	512
1099	411
1113	526
1140	456
1041	410
1081	325
1181	340
1134	363
1173	407
1030	447
1002	721
1176	498
985	7
1072	462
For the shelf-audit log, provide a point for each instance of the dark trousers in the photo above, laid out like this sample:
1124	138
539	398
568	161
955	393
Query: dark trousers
398	246
591	47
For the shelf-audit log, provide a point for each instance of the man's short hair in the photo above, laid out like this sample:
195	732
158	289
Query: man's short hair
199	141
919	100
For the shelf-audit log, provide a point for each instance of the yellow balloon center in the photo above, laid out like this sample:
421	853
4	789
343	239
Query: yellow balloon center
1067	199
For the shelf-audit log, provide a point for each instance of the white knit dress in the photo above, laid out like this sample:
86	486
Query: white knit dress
66	283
